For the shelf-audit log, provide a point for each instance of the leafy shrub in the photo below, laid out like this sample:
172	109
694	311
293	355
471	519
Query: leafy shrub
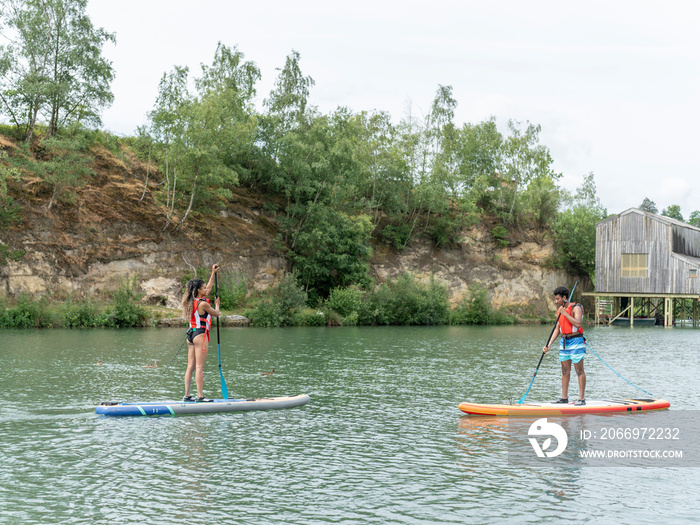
66	165
477	310
331	250
26	314
290	296
82	314
233	288
309	318
13	255
10	212
406	301
345	301
279	304
126	312
333	318
397	235
446	228
12	132
101	138
350	320
501	235
265	315
232	285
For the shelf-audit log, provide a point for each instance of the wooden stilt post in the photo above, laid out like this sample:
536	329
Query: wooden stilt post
631	311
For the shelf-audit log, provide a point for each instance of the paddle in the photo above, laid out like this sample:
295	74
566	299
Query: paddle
522	399
224	390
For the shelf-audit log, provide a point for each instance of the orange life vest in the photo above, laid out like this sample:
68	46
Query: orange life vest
565	326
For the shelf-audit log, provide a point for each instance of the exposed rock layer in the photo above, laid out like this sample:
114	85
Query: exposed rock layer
108	234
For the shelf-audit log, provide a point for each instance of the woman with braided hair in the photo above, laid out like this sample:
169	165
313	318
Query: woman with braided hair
197	310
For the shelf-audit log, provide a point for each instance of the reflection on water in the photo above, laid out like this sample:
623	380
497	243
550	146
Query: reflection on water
381	441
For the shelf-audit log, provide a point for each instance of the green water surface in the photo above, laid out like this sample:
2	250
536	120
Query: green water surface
381	441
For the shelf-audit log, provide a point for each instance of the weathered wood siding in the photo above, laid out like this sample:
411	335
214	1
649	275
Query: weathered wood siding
686	241
635	231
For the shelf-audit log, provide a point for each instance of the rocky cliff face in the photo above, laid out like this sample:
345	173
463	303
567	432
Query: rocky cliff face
108	233
514	276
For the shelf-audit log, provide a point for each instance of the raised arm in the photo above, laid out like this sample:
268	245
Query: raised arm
210	284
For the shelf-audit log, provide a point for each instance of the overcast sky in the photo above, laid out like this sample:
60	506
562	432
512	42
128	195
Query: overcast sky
615	85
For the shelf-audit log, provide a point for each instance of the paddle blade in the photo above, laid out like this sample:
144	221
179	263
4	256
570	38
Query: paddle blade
224	389
522	399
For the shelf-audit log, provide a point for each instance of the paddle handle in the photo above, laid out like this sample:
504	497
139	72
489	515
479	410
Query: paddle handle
216	296
224	388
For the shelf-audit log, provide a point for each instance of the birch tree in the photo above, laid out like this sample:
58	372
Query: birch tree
53	66
206	126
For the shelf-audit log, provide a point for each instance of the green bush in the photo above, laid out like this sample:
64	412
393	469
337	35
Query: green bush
12	132
477	310
345	301
397	235
233	288
350	320
333	318
232	285
10	212
265	315
13	255
82	314
26	314
406	301
102	138
309	318
501	235
126	312
279	304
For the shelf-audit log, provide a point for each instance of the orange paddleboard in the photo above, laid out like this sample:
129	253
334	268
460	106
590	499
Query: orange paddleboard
592	406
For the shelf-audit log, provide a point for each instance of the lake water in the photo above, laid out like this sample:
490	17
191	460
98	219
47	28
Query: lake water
381	441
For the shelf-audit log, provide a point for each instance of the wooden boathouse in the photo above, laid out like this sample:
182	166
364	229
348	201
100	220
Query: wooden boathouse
647	268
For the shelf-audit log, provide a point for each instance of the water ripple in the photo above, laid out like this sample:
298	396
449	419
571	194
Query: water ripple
381	441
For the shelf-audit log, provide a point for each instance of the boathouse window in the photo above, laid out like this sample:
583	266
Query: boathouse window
635	264
693	273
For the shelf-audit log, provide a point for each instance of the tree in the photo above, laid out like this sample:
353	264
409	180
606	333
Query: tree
333	250
288	100
207	135
695	219
287	110
575	230
673	211
541	200
523	159
385	178
440	134
167	126
648	205
54	65
478	157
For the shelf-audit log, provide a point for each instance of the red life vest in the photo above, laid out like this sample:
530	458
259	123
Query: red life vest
565	327
200	321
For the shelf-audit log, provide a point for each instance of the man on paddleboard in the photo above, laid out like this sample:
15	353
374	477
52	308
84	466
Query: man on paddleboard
572	346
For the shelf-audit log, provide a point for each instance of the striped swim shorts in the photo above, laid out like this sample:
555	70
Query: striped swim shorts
572	349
